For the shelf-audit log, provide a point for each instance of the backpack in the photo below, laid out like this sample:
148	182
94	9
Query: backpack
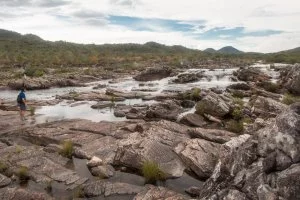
19	100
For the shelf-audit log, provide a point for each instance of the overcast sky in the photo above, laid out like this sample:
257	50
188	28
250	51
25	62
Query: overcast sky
252	25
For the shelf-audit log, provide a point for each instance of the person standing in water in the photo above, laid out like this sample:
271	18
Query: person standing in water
22	103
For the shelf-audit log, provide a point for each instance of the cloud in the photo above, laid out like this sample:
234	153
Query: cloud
52	3
34	3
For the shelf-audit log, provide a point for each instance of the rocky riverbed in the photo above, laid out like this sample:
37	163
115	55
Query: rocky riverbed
214	134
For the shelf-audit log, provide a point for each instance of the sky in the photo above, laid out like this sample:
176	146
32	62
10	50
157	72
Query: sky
252	25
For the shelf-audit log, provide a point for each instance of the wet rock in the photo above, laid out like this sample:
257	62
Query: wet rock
118	113
105	188
133	153
199	155
159	193
213	135
283	136
89	96
213	104
94	162
155	73
187	104
22	194
103	171
193	191
99	86
102	105
239	86
188	78
266	107
4	181
127	95
166	110
251	74
192	119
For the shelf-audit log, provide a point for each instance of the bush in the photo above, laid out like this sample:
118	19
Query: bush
195	95
78	193
200	108
270	87
3	167
238	101
290	99
22	173
67	149
33	72
235	126
237	94
237	113
152	172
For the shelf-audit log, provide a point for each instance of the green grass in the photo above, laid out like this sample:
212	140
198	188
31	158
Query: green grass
22	173
237	94
200	108
238	101
34	72
78	192
289	99
18	149
235	126
152	172
270	87
67	149
237	113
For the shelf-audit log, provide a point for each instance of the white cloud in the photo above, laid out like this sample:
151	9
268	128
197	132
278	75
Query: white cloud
91	26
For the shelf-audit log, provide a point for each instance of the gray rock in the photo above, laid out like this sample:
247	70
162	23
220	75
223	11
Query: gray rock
187	104
264	192
213	135
103	171
4	181
199	155
94	162
155	73
214	105
102	105
22	194
106	188
166	110
159	193
251	74
292	79
234	195
239	86
192	119
266	107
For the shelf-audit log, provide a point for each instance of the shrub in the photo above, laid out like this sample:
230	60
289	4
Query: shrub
195	95
270	87
18	149
33	72
290	99
32	111
235	126
237	113
67	149
238	101
200	108
22	173
78	193
152	172
237	94
3	167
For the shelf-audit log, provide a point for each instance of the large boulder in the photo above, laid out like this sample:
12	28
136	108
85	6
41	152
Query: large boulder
291	79
165	110
213	104
155	73
188	78
192	119
199	155
252	74
152	192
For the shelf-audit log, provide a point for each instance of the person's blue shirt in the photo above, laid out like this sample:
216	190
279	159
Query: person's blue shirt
22	95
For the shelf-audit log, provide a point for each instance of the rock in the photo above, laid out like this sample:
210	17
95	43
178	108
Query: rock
213	135
4	181
214	105
99	86
94	162
187	104
188	78
79	153
266	107
193	120
239	86
235	194
22	194
251	74
99	188
103	171
288	182
118	113
166	110
102	105
264	192
199	155
155	73
133	152
193	191
282	136
127	95
291	79
159	193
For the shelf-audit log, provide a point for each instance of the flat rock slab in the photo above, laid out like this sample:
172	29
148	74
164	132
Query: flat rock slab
4	181
153	192
22	194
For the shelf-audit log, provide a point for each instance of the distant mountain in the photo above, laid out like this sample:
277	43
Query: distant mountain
229	50
210	50
295	50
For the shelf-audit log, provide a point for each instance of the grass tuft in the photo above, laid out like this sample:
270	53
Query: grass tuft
289	99
22	173
152	172
235	126
3	167
67	149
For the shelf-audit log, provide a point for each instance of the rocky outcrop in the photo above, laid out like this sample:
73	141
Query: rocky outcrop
192	119
239	86
266	107
188	78
266	168
4	181
251	74
155	73
103	171
214	105
22	194
102	105
200	155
